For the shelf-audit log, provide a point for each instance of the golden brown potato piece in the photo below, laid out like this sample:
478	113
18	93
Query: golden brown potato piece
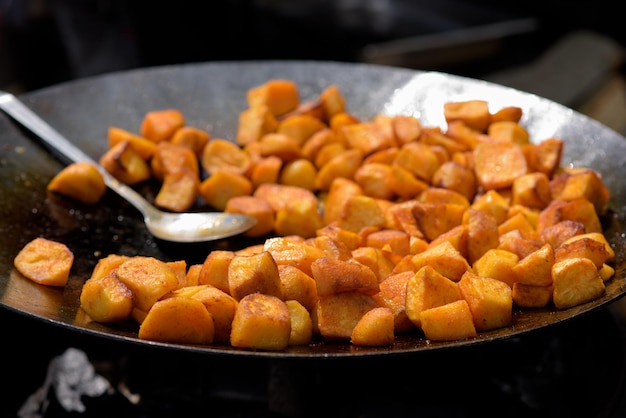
256	207
474	113
419	159
221	154
497	264
254	123
498	164
297	285
530	296
254	273
454	176
300	127
301	323
532	190
344	164
361	211
482	233
444	258
214	269
392	295
222	186
297	254
279	95
178	320
336	276
160	125
576	281
489	300
107	264
143	146
333	102
536	268
193	138
45	262
125	164
584	247
374	329
507	130
434	219
148	278
106	299
449	322
376	180
179	191
81	181
588	185
261	322
300	172
169	158
427	289
301	218
336	315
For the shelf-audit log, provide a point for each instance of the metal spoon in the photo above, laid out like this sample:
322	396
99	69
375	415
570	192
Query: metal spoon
177	227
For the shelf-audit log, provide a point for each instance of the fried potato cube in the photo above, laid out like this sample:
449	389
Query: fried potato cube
191	137
494	203
606	272
344	164
333	102
380	261
179	268
279	95
507	113
449	322
340	191
442	144
193	273
218	303
397	242
160	125
331	247
296	254
281	196
497	264
404	183
221	154
148	278
336	276
266	170
482	233
455	177
520	223
545	157
300	172
328	152
426	289
301	323
392	295
457	236
107	264
280	145
178	320
375	180
576	281
400	216
256	207
351	240
419	159
474	113
169	158
223	185
106	299
374	329
516	242
253	123
368	137
588	185
561	231
506	130
335	315
598	236
143	146
261	322
214	269
444	258
536	268
582	210
361	211
531	296
254	273
301	218
498	164
45	262
489	299
434	219
179	191
316	142
125	164
532	190
298	286
300	127
584	247
81	181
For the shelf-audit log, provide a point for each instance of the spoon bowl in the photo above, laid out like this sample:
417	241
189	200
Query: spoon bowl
168	226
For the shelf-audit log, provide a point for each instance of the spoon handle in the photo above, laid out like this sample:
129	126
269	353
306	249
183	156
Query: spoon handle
29	119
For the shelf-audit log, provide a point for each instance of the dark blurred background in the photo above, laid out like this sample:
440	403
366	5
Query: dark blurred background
571	52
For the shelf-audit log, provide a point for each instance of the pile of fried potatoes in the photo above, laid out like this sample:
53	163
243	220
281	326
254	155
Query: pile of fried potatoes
372	227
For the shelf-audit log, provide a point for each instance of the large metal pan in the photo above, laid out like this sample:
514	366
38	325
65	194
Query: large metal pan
211	95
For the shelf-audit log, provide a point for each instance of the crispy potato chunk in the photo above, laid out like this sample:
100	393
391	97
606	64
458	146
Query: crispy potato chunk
489	300
106	299
336	276
178	320
531	296
576	281
256	207
160	125
143	146
444	258
223	185
536	268
81	181
427	289
392	295
125	164
498	164
254	273
497	264
298	286
179	191
297	254
301	323
148	278
449	322
375	328
221	154
280	96
45	262
261	322
335	315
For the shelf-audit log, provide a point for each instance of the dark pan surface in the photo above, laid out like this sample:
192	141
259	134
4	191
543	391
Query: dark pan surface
211	95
